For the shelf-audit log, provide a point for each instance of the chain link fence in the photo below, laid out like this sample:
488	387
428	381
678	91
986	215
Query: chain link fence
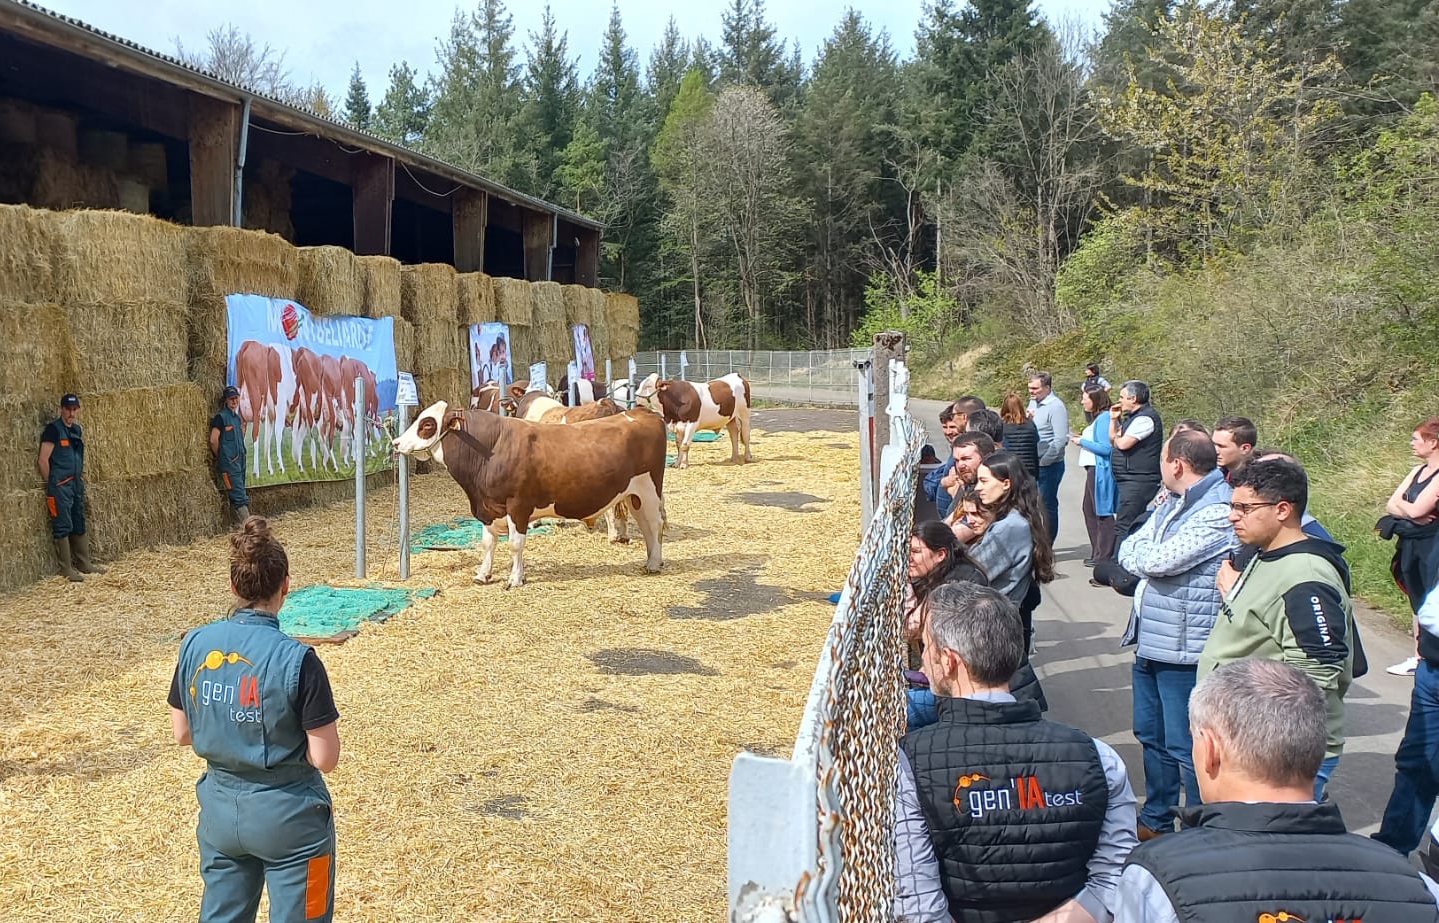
823	376
812	838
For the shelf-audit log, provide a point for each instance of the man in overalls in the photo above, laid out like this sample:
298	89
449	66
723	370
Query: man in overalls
61	463
227	446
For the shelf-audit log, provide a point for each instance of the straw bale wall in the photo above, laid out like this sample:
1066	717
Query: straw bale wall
129	312
380	285
330	281
476	294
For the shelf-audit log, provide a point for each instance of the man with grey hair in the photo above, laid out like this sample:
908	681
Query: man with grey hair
1261	848
1051	419
999	814
1136	436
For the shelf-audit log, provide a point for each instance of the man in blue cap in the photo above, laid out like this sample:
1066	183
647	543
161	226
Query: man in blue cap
61	463
227	446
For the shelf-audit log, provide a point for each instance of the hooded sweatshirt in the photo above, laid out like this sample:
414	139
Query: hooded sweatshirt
1292	605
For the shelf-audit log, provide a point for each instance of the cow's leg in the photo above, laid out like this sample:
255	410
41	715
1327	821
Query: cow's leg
519	526
650	516
732	427
684	435
267	432
743	417
619	531
488	540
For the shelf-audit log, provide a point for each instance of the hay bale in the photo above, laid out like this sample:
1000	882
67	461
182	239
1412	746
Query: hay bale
380	284
554	338
28	248
525	351
22	418
513	303
428	300
108	149
129	344
25	536
449	385
475	293
147	162
622	320
115	256
160	509
62	184
579	306
404	345
37	355
138	432
17	121
134	195
330	282
58	131
230	261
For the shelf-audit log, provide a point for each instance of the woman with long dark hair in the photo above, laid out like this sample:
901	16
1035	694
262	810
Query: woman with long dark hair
935	557
1015	550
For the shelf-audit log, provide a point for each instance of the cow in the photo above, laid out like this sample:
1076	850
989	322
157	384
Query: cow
584	387
309	392
350	369
514	471
688	408
486	397
284	387
332	408
257	372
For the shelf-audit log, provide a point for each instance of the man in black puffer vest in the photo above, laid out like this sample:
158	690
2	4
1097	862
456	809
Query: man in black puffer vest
1001	816
1136	436
1260	848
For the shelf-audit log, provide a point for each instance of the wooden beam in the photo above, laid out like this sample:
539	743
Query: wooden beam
587	257
471	215
374	198
213	135
537	228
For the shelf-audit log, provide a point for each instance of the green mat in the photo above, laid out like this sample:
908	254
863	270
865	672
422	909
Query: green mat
457	534
325	612
708	435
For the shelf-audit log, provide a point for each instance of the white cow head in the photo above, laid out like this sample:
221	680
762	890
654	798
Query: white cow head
422	439
645	395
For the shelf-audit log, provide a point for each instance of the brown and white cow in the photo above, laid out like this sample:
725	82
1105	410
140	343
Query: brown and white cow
486	397
539	407
688	408
514	472
309	392
257	374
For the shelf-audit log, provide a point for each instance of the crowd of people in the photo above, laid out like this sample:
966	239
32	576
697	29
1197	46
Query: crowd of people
1240	617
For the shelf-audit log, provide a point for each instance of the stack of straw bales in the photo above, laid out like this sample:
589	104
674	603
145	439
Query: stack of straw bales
129	312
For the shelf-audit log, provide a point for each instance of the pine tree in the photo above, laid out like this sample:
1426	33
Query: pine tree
680	161
751	54
402	115
669	62
615	87
552	100
357	101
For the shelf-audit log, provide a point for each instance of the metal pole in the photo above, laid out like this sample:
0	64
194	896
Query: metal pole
888	345
404	489
610	380
866	447
359	478
664	376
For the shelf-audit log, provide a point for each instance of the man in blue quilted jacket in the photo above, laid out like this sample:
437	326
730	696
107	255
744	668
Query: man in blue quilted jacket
1176	554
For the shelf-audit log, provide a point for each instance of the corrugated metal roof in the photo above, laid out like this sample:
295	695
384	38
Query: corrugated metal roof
322	126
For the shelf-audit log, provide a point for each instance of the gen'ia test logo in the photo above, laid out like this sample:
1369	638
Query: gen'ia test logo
1285	916
1022	793
241	698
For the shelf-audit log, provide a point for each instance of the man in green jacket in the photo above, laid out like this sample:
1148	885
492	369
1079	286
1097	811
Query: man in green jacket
1291	603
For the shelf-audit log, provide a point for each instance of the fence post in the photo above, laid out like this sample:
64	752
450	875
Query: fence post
888	345
403	488
359	440
866	446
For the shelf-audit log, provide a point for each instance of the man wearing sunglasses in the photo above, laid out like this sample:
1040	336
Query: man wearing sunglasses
1291	601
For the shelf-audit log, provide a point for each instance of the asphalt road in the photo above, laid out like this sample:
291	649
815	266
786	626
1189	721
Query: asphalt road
1086	674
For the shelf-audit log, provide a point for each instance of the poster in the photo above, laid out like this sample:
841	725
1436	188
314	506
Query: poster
539	377
490	358
296	373
584	352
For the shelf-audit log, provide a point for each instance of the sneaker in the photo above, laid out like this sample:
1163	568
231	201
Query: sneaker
1404	667
1088	562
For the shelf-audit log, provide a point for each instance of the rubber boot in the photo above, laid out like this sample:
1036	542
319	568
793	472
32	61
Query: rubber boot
242	513
80	548
67	570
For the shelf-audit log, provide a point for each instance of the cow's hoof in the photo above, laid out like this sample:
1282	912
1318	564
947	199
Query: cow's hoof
511	586
483	581
653	570
620	540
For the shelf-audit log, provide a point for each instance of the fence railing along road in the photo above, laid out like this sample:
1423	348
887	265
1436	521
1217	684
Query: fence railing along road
824	376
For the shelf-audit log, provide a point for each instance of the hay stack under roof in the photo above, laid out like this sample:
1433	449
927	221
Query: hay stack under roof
144	431
110	257
229	261
330	282
25	536
427	300
29	249
60	183
129	344
380	282
513	303
579	306
160	509
476	293
622	317
554	334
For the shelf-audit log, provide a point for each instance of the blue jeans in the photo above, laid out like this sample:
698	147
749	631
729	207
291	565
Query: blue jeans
1416	767
1049	478
1326	769
1161	725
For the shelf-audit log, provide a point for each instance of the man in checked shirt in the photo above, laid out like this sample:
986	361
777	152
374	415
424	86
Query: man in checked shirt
1001	815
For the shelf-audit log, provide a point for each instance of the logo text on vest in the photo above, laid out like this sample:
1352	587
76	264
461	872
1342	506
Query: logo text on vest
1020	792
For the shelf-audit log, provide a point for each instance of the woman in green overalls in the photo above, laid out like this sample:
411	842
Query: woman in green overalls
227	446
257	705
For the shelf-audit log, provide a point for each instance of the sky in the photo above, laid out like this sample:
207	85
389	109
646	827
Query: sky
323	39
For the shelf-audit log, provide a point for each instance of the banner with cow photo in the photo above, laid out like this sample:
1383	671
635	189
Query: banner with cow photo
296	374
